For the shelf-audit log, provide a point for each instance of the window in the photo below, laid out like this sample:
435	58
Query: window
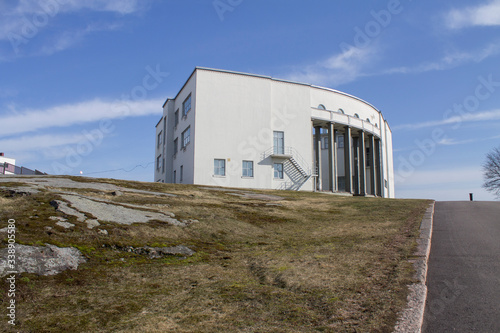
356	115
186	106
279	142
219	167
176	146
175	176
247	169
182	174
158	163
176	118
278	170
324	142
340	141
321	107
368	120
368	156
186	137
160	135
163	165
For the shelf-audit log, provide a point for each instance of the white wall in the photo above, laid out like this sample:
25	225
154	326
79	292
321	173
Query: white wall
233	117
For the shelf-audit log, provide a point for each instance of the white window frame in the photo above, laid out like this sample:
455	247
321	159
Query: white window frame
158	162
281	172
279	142
218	168
186	107
247	167
160	136
186	139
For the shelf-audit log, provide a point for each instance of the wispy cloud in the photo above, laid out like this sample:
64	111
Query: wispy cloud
24	20
338	69
467	117
487	14
454	142
17	122
37	142
450	60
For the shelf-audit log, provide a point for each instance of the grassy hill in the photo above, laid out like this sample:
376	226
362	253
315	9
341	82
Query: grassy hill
305	262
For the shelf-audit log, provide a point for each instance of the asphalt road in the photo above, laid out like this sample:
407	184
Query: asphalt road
463	276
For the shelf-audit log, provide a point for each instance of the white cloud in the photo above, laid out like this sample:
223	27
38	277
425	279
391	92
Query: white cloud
450	60
467	117
37	142
17	122
338	69
487	14
24	20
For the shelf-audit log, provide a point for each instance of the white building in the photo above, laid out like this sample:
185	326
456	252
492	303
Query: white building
7	165
250	131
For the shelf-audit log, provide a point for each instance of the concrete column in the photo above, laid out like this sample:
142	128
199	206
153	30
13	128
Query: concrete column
347	159
378	165
362	164
371	145
355	159
317	150
332	157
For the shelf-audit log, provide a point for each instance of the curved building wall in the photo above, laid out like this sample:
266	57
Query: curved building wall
277	127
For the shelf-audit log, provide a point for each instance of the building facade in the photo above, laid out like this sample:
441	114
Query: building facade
250	131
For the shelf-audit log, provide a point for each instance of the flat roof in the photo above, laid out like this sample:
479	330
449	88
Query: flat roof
270	78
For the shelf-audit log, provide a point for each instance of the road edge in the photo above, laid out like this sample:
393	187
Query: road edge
412	318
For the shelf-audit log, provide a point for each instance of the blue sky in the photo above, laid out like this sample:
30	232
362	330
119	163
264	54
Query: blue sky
82	83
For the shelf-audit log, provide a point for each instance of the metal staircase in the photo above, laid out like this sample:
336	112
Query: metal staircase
294	165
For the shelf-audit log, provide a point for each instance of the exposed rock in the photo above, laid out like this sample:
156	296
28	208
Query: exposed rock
21	190
63	207
91	224
157	252
65	225
103	232
58	218
46	260
104	211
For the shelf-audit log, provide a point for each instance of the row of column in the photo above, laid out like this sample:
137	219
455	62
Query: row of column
354	154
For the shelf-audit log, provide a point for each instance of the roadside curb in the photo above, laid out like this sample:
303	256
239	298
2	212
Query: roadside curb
412	318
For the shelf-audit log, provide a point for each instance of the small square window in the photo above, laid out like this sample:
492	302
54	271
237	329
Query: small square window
247	169
278	170
219	167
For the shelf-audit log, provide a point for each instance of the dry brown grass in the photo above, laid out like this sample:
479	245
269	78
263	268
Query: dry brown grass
315	263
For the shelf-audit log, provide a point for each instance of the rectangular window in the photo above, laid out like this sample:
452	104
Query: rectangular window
176	146
247	169
278	170
158	163
279	142
340	141
175	177
182	174
160	136
186	137
186	106
368	157
163	165
324	142
176	118
219	167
